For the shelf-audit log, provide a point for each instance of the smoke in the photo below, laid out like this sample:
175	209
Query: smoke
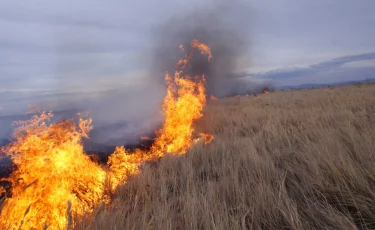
121	113
225	27
121	116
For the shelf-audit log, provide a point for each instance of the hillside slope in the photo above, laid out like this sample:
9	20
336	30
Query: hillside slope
286	160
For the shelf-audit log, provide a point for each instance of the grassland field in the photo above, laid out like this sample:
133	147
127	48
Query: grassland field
301	159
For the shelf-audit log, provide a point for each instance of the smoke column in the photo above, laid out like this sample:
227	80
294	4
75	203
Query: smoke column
226	28
122	115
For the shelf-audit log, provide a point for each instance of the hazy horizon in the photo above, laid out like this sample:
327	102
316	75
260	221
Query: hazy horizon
100	56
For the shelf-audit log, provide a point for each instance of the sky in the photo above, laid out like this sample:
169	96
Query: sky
86	46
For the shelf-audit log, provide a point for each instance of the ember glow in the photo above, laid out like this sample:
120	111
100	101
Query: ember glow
56	180
2	192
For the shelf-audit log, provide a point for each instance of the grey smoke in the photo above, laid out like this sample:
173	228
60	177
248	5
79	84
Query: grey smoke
226	28
121	116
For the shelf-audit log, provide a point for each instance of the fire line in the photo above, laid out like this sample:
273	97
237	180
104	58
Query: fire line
55	180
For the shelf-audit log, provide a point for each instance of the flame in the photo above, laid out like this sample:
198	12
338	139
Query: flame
213	98
122	164
202	47
265	91
52	170
2	192
56	180
183	103
207	137
145	138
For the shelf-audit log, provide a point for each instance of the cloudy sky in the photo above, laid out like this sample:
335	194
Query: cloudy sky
91	45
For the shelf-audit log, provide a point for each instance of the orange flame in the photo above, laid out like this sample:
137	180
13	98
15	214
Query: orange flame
182	105
2	192
265	91
213	98
56	180
145	138
207	137
52	170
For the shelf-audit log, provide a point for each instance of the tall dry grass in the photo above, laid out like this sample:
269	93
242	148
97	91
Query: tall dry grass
287	160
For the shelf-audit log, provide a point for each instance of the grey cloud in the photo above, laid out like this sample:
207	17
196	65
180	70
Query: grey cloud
50	47
337	76
60	20
338	62
313	69
328	71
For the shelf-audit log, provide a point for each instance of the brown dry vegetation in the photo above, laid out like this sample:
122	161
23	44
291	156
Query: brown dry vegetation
287	160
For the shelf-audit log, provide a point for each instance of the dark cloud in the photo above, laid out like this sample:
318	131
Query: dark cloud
323	67
339	62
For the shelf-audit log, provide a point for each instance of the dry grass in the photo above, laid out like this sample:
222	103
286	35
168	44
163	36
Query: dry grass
287	160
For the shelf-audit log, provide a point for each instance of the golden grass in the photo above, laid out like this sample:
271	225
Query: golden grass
286	160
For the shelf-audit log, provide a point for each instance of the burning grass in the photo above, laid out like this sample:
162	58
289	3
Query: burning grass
55	181
284	160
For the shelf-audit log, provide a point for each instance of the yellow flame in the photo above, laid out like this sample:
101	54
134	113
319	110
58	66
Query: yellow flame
183	103
52	170
55	179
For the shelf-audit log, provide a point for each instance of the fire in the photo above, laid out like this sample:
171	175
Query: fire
182	105
202	47
55	180
145	138
207	137
122	164
265	91
52	171
2	192
213	98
